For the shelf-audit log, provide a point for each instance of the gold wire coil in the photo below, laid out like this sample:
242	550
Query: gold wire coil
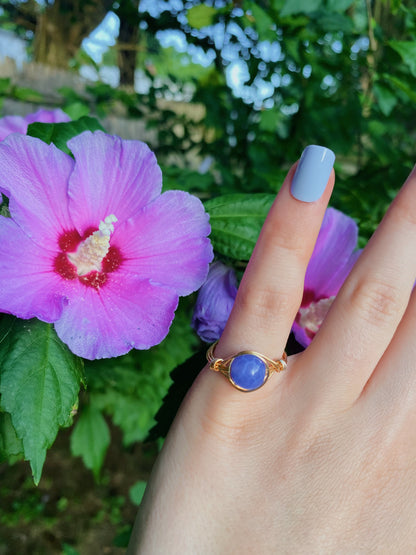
223	365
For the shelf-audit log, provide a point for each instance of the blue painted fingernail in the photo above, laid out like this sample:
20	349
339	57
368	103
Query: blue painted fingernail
312	173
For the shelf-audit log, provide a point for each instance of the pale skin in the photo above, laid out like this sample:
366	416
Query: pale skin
322	458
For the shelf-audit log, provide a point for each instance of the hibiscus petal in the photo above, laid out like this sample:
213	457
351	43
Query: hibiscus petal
28	285
300	335
167	242
125	313
48	116
34	176
335	244
111	176
12	124
336	280
19	124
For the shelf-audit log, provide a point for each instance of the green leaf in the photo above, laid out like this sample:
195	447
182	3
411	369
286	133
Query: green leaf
130	388
90	439
40	381
271	119
5	83
292	7
407	50
386	99
27	95
69	550
333	22
401	85
10	445
201	16
77	110
236	221
60	133
339	5
136	492
264	23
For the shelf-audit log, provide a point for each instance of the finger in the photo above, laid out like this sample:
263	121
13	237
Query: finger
392	386
368	308
271	289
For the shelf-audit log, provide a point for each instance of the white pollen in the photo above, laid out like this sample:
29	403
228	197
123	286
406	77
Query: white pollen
312	316
92	251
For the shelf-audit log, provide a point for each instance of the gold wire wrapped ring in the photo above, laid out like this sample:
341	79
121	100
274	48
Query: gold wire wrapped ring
247	370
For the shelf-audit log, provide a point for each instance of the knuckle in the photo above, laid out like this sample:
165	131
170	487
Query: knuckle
377	302
284	243
263	304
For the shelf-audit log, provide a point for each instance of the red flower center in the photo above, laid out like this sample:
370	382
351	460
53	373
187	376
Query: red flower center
69	242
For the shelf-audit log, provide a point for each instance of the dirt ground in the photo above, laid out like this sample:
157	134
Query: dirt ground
69	513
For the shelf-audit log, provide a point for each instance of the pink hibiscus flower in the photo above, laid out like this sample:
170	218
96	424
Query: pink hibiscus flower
93	246
19	124
332	260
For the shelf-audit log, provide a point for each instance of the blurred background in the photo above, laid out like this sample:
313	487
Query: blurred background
227	93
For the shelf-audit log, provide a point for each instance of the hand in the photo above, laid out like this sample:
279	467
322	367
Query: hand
322	458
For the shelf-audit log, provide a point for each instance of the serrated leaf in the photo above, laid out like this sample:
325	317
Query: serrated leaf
236	221
201	16
40	381
90	439
60	133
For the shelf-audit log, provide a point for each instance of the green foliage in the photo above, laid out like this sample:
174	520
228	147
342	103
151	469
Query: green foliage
137	491
130	388
90	439
407	50
11	446
60	133
236	221
201	16
292	7
40	381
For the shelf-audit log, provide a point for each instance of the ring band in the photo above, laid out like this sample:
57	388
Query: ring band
247	370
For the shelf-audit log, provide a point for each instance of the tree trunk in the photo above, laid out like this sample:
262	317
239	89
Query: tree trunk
128	40
62	26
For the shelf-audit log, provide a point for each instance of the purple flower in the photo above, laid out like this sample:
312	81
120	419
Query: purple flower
93	246
332	259
19	124
214	303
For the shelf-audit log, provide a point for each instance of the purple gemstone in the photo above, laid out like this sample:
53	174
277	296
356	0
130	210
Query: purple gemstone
248	372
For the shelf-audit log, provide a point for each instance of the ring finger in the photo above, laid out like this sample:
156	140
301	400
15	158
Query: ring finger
271	289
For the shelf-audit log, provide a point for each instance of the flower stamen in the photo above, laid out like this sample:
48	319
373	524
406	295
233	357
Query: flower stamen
92	251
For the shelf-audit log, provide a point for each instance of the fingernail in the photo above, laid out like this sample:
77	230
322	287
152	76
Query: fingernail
312	173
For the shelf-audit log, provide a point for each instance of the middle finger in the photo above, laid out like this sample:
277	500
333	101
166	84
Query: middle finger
369	307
